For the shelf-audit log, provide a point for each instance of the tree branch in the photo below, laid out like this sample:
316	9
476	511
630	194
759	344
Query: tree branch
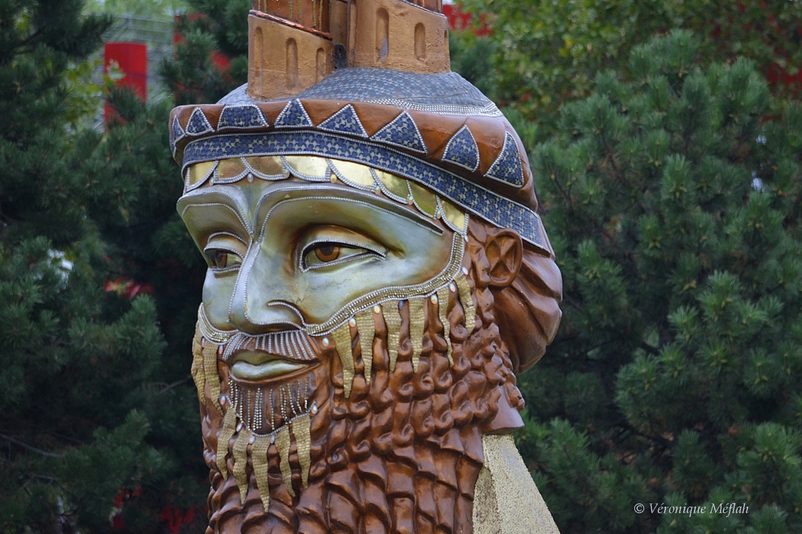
30	448
168	387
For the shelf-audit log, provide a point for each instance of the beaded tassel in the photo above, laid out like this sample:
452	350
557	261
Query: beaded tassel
342	342
283	446
442	308
367	329
416	326
259	459
228	430
392	318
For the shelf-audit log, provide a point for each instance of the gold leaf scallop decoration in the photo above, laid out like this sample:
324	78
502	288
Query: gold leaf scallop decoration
425	201
231	167
267	166
454	217
199	173
308	167
395	187
353	174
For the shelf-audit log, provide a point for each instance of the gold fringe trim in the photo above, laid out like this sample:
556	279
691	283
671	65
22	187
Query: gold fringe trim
259	461
197	364
228	430
442	308
302	430
240	453
342	342
210	372
367	329
416	320
283	446
392	318
467	301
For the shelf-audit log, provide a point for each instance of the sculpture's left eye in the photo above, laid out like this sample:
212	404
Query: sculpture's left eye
317	255
327	252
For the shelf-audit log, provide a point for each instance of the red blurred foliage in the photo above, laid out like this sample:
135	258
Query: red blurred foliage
175	518
127	288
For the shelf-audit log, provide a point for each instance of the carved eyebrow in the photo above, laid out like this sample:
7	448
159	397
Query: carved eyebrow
208	197
374	203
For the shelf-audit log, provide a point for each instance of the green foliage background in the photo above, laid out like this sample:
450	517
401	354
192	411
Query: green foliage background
673	207
546	52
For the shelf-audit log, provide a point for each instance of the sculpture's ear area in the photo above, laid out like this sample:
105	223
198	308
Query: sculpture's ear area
504	251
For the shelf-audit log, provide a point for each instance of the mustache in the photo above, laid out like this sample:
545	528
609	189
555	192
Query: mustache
294	345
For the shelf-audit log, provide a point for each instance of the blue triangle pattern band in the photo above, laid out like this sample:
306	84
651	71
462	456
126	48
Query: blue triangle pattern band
176	133
198	124
238	117
494	208
507	167
462	150
403	133
293	116
344	121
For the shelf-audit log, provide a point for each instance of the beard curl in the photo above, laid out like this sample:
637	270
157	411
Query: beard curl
401	454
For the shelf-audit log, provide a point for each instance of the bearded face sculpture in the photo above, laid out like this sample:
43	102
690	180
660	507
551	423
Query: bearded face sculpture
377	276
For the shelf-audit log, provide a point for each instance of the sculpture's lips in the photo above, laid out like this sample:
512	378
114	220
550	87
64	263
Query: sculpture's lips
255	365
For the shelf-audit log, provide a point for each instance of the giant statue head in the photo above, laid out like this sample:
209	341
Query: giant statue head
378	275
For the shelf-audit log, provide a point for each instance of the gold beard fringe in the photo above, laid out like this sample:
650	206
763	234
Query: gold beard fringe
342	342
298	428
259	460
210	351
240	453
367	329
226	433
283	446
392	318
197	363
416	327
302	430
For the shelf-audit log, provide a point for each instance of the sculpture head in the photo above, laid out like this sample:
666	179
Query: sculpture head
377	275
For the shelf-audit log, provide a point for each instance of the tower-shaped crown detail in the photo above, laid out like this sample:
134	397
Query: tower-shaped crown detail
295	44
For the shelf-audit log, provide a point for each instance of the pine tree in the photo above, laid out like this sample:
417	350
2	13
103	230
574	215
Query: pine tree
98	422
546	52
672	198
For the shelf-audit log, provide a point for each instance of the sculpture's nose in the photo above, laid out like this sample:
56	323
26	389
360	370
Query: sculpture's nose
262	298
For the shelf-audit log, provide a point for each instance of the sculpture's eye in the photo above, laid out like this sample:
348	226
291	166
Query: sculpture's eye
327	252
224	251
322	254
220	259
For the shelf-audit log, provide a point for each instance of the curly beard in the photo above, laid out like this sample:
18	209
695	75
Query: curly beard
401	454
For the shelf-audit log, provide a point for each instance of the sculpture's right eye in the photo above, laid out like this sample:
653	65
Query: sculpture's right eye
224	251
222	259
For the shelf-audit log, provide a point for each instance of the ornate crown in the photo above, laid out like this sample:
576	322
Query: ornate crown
368	82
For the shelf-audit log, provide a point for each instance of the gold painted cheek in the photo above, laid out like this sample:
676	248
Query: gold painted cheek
361	250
